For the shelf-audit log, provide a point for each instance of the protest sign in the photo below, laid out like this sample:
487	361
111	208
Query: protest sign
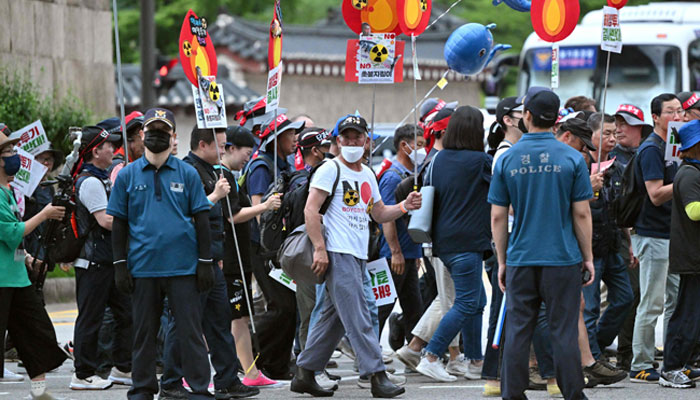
196	49
611	39
672	142
279	275
555	65
376	58
29	175
209	103
352	64
32	138
382	284
274	82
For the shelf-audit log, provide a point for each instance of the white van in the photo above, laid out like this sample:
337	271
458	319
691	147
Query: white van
660	53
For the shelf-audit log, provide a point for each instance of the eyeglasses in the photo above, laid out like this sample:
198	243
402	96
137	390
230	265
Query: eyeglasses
680	112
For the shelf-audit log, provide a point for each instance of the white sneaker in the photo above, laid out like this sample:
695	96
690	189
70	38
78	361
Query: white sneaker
474	371
409	357
10	376
92	383
386	359
434	370
119	377
325	382
345	348
459	366
336	354
366	383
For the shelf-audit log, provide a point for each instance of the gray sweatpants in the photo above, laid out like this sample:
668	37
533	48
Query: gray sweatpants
345	311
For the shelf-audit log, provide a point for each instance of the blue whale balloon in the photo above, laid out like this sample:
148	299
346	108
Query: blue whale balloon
517	5
470	48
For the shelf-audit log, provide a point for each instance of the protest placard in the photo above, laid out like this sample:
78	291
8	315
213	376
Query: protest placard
611	39
382	284
376	58
279	275
29	175
555	65
672	143
274	82
32	138
209	104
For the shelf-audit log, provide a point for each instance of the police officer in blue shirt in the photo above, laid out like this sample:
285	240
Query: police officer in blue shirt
161	246
548	186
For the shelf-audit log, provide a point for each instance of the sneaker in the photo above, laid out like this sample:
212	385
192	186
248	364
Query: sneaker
675	379
554	390
345	348
434	370
325	382
693	374
658	354
332	377
174	393
603	373
536	382
648	375
187	387
236	391
459	366
119	377
386	359
68	350
92	383
332	364
336	354
9	376
365	383
261	382
492	390
409	357
11	355
474	370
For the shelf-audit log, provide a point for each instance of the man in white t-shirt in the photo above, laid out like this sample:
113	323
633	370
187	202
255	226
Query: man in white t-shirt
341	258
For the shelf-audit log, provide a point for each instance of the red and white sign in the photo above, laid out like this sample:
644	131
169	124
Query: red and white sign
381	281
32	138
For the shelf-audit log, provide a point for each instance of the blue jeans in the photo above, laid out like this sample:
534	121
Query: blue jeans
466	313
613	271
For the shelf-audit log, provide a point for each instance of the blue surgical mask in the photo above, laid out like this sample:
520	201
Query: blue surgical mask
12	164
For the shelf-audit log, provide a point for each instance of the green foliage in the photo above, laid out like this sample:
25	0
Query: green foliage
59	273
21	103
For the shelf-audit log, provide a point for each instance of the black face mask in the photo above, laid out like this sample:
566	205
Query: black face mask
521	126
157	141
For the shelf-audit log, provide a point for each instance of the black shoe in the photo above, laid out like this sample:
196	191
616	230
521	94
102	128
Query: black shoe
236	391
173	393
305	382
382	386
331	376
396	331
604	373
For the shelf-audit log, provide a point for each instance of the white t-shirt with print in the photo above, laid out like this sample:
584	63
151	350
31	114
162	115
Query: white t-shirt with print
347	219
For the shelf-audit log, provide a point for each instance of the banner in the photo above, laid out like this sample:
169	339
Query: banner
555	65
29	175
209	104
672	143
352	57
32	138
611	39
274	82
382	284
376	58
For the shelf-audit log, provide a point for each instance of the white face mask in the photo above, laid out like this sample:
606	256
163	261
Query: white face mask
352	154
417	156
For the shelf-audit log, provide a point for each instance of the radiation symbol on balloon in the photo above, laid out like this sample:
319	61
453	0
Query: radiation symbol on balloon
187	48
359	4
378	54
351	197
423	5
214	92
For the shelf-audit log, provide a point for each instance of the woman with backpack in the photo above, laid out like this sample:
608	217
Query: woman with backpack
461	173
22	311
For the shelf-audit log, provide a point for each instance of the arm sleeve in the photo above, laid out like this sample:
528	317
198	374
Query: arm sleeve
498	191
258	181
120	233
581	189
201	226
93	195
652	163
324	177
118	199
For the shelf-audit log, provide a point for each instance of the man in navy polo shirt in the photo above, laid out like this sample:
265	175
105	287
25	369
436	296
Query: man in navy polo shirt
548	186
158	201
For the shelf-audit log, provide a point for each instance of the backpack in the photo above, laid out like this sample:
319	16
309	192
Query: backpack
276	224
628	204
261	158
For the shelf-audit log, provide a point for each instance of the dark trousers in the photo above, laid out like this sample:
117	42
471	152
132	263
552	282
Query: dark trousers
216	325
683	330
95	290
602	329
427	284
624	337
184	301
409	297
22	314
526	289
275	327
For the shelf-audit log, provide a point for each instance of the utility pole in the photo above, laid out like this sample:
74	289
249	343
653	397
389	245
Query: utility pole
147	34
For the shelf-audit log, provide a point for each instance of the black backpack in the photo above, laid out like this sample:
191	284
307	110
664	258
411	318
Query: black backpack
628	204
276	224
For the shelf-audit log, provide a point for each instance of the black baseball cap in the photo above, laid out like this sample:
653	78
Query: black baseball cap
239	136
351	121
542	102
580	129
313	137
159	114
507	106
94	136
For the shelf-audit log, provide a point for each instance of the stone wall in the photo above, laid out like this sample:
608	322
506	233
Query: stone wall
64	46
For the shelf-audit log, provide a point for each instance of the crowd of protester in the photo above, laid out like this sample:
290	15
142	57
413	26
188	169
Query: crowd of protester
172	249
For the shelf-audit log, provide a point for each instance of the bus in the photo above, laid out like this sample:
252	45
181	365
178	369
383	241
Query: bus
660	54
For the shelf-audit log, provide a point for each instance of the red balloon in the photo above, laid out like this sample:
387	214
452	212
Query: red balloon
413	15
617	3
554	20
381	15
196	48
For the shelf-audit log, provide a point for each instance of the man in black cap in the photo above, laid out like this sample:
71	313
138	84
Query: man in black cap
94	271
545	181
691	104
